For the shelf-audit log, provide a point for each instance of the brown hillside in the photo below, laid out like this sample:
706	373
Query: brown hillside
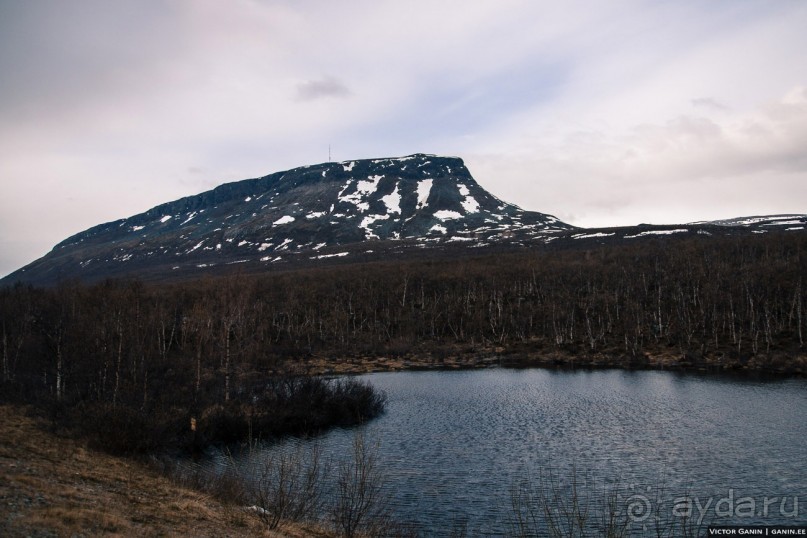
50	486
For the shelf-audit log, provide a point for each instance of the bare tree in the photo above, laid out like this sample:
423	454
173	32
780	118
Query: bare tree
288	486
360	501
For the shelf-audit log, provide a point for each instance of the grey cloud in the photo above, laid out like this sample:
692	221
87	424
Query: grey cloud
772	137
322	88
684	169
708	103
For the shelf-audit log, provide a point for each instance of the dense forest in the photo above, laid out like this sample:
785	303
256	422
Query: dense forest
225	350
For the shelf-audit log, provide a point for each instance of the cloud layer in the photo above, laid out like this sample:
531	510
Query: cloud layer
602	113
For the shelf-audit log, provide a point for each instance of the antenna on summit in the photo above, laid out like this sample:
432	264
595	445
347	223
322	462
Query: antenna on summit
329	153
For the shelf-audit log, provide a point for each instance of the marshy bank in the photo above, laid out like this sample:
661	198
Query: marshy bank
166	423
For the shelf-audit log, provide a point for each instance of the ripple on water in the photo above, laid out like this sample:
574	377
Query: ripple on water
452	444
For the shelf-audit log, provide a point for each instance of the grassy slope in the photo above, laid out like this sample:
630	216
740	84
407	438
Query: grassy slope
50	486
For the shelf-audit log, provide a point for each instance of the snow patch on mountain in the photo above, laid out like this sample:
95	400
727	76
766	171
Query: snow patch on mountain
285	219
364	188
446	214
469	204
323	256
393	201
190	217
424	189
369	221
369	185
592	235
657	232
285	244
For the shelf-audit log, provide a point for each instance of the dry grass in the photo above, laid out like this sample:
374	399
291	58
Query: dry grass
51	486
362	365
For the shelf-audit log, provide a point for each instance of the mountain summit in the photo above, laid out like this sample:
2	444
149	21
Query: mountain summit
311	212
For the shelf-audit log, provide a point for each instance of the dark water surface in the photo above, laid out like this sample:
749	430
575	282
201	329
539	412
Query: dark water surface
453	444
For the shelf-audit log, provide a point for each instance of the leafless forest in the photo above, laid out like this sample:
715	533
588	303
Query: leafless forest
126	356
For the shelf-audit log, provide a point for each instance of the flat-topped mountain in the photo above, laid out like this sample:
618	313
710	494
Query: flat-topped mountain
312	212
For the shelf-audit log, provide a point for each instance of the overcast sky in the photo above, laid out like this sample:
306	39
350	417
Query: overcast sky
611	112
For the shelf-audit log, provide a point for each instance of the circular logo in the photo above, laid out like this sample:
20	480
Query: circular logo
639	507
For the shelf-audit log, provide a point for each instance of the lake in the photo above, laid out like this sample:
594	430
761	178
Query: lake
453	445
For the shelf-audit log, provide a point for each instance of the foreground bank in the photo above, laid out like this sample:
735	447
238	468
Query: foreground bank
52	486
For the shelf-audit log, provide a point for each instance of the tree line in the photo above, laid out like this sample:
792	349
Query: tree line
211	344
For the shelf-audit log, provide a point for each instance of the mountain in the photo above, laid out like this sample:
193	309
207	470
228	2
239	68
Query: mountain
329	210
353	211
728	227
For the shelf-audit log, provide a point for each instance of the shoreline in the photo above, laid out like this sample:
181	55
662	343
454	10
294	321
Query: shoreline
756	367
